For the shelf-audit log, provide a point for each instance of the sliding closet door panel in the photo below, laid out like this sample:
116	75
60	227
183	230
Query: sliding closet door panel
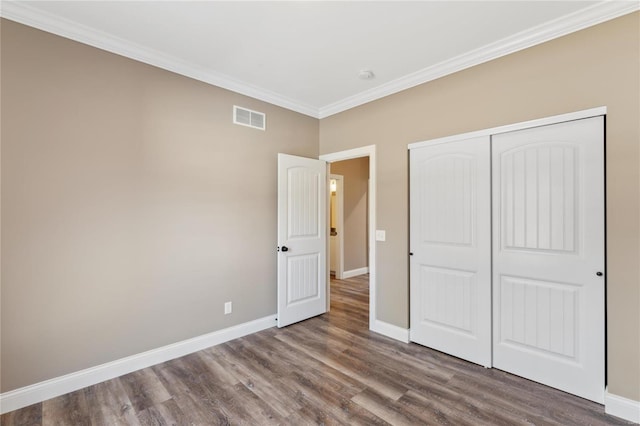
450	241
548	255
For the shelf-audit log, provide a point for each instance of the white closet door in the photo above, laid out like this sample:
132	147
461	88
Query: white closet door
451	245
548	255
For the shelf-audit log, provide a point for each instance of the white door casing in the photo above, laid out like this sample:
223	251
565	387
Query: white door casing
450	240
548	255
302	238
368	151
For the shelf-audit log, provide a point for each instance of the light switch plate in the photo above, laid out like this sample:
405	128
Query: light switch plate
381	235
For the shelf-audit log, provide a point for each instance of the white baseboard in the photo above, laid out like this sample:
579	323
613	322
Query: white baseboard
354	272
42	391
624	408
390	330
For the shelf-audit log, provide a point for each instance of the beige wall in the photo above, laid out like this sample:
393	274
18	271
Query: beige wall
356	183
132	207
128	197
594	67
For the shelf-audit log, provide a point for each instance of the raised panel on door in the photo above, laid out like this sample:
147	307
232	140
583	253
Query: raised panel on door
548	195
301	238
539	189
450	240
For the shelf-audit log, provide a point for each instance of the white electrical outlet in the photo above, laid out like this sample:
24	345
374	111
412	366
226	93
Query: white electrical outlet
227	308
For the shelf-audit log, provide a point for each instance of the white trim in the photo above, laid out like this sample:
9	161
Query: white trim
26	14
365	151
624	408
349	154
390	330
556	28
603	11
42	391
354	272
578	115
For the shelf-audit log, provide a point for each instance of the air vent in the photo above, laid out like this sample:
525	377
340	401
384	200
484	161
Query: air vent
249	118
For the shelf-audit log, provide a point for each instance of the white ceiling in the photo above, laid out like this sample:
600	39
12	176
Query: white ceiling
306	56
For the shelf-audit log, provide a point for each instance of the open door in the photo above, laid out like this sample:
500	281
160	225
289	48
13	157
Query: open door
302	238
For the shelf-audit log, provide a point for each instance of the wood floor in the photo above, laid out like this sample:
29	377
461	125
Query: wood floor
326	370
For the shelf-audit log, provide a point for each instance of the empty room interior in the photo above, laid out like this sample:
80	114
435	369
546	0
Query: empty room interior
320	212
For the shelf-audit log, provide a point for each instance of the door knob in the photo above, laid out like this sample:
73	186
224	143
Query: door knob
599	273
284	248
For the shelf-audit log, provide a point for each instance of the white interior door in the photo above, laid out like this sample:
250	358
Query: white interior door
302	238
450	239
548	255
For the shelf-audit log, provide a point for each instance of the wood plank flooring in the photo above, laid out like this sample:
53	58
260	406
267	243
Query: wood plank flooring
327	370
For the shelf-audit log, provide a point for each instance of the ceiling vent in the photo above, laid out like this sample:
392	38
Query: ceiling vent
249	118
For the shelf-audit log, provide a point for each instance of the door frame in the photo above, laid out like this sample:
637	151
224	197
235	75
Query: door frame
555	119
364	151
339	225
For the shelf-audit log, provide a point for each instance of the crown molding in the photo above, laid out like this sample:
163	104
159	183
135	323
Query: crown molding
596	14
23	13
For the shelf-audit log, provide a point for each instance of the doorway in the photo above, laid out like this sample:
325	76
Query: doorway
336	226
358	153
350	224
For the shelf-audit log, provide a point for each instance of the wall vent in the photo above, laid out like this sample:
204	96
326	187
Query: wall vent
249	118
